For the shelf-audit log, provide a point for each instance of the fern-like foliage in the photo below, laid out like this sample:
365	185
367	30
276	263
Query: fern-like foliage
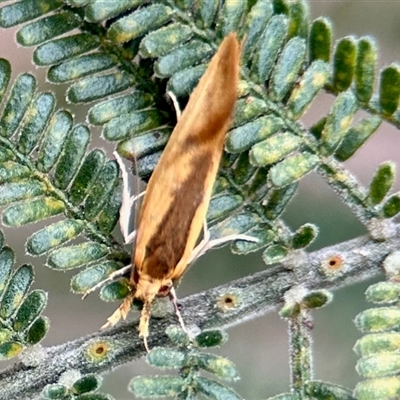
190	360
73	386
379	361
123	56
21	323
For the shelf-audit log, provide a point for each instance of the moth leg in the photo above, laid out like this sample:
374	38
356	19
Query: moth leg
207	244
120	313
144	323
112	277
178	110
173	298
127	203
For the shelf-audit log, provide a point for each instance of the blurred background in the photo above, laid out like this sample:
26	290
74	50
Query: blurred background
258	347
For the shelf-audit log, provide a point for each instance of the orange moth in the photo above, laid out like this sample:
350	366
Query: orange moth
175	204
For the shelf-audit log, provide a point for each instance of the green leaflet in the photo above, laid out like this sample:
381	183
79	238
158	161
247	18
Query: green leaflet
17	288
80	67
48	28
6	265
58	50
382	182
247	110
53	140
356	136
30	310
185	56
378	365
98	10
292	168
274	148
237	223
365	72
243	137
324	390
383	388
304	236
299	18
264	236
139	22
132	124
73	153
219	366
162	41
109	215
105	111
10	171
222	205
87	383
244	171
35	121
100	190
9	350
98	86
147	143
163	357
115	291
389	90
338	121
287	68
216	390
5	74
91	276
75	256
86	176
311	82
344	63
378	319
18	102
38	330
256	20
270	45
274	254
156	386
32	211
53	236
320	40
231	15
383	292
377	342
392	206
24	189
26	10
183	82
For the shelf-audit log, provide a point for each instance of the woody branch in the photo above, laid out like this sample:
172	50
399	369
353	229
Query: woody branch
253	295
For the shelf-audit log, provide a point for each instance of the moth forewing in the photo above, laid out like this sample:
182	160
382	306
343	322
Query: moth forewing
179	190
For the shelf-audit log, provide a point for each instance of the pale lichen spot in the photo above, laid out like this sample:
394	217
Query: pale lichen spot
345	122
319	79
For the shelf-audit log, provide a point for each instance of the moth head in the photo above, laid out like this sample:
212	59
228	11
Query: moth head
147	288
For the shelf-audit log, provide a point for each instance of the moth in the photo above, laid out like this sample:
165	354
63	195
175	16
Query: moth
177	197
